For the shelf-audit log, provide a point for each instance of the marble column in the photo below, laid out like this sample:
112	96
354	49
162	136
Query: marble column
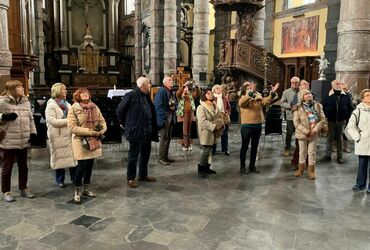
23	27
200	40
156	41
353	56
170	37
5	54
259	28
269	25
39	46
116	17
138	40
112	30
63	26
56	6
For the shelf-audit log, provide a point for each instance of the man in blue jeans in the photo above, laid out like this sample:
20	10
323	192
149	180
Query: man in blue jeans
165	109
137	115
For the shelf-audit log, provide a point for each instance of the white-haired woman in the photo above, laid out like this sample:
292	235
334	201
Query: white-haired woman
308	119
60	145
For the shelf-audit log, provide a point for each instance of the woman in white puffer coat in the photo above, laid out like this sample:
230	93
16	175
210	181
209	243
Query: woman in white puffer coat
358	129
60	145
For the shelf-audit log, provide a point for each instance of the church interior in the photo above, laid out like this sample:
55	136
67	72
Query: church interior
105	45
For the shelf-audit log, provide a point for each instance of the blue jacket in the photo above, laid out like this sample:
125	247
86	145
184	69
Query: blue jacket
162	107
337	108
133	117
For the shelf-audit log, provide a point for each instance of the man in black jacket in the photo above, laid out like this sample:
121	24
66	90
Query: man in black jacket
337	108
137	116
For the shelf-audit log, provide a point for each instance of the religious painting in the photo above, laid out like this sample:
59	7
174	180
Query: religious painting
300	35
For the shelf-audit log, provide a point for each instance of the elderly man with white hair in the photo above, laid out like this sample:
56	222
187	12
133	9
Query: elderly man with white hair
288	100
337	108
137	116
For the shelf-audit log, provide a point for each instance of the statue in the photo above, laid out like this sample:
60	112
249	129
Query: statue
88	54
246	26
323	65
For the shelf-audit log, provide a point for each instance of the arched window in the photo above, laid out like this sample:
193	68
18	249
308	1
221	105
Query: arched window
129	6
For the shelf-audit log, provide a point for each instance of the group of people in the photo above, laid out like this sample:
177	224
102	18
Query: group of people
75	131
68	127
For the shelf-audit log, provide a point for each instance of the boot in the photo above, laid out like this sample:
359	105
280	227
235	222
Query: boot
88	192
243	170
201	171
77	195
346	147
208	169
300	170
311	172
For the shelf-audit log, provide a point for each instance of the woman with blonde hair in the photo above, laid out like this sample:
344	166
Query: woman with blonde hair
60	145
87	124
308	119
18	129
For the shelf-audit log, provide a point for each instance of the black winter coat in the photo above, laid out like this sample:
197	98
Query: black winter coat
131	115
337	109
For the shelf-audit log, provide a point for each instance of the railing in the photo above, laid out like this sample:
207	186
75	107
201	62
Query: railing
247	57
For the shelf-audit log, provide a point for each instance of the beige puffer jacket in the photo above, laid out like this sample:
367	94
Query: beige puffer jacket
301	123
206	122
18	131
79	152
59	142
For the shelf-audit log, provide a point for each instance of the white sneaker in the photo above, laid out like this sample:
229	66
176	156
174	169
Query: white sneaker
190	148
183	148
8	197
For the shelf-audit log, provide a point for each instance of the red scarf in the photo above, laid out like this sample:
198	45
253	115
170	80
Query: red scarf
92	120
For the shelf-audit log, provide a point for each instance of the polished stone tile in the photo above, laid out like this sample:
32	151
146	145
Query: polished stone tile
85	220
270	210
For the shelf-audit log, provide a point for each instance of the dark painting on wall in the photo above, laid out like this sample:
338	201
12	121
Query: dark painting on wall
300	35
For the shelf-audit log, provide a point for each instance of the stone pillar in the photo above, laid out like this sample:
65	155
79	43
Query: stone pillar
23	27
259	28
116	17
353	57
170	37
31	27
56	25
331	44
138	39
200	40
39	48
111	26
269	25
5	54
63	26
156	43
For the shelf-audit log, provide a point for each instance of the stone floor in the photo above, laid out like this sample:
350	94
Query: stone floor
270	210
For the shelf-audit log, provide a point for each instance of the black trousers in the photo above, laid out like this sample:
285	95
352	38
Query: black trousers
138	151
83	171
249	135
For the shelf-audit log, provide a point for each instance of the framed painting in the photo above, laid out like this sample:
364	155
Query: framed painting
300	35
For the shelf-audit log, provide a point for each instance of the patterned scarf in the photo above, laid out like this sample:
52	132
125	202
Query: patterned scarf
219	102
91	122
63	104
311	114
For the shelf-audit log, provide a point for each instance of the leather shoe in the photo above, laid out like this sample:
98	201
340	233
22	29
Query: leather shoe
147	179
163	162
340	161
243	170
170	160
227	152
132	184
